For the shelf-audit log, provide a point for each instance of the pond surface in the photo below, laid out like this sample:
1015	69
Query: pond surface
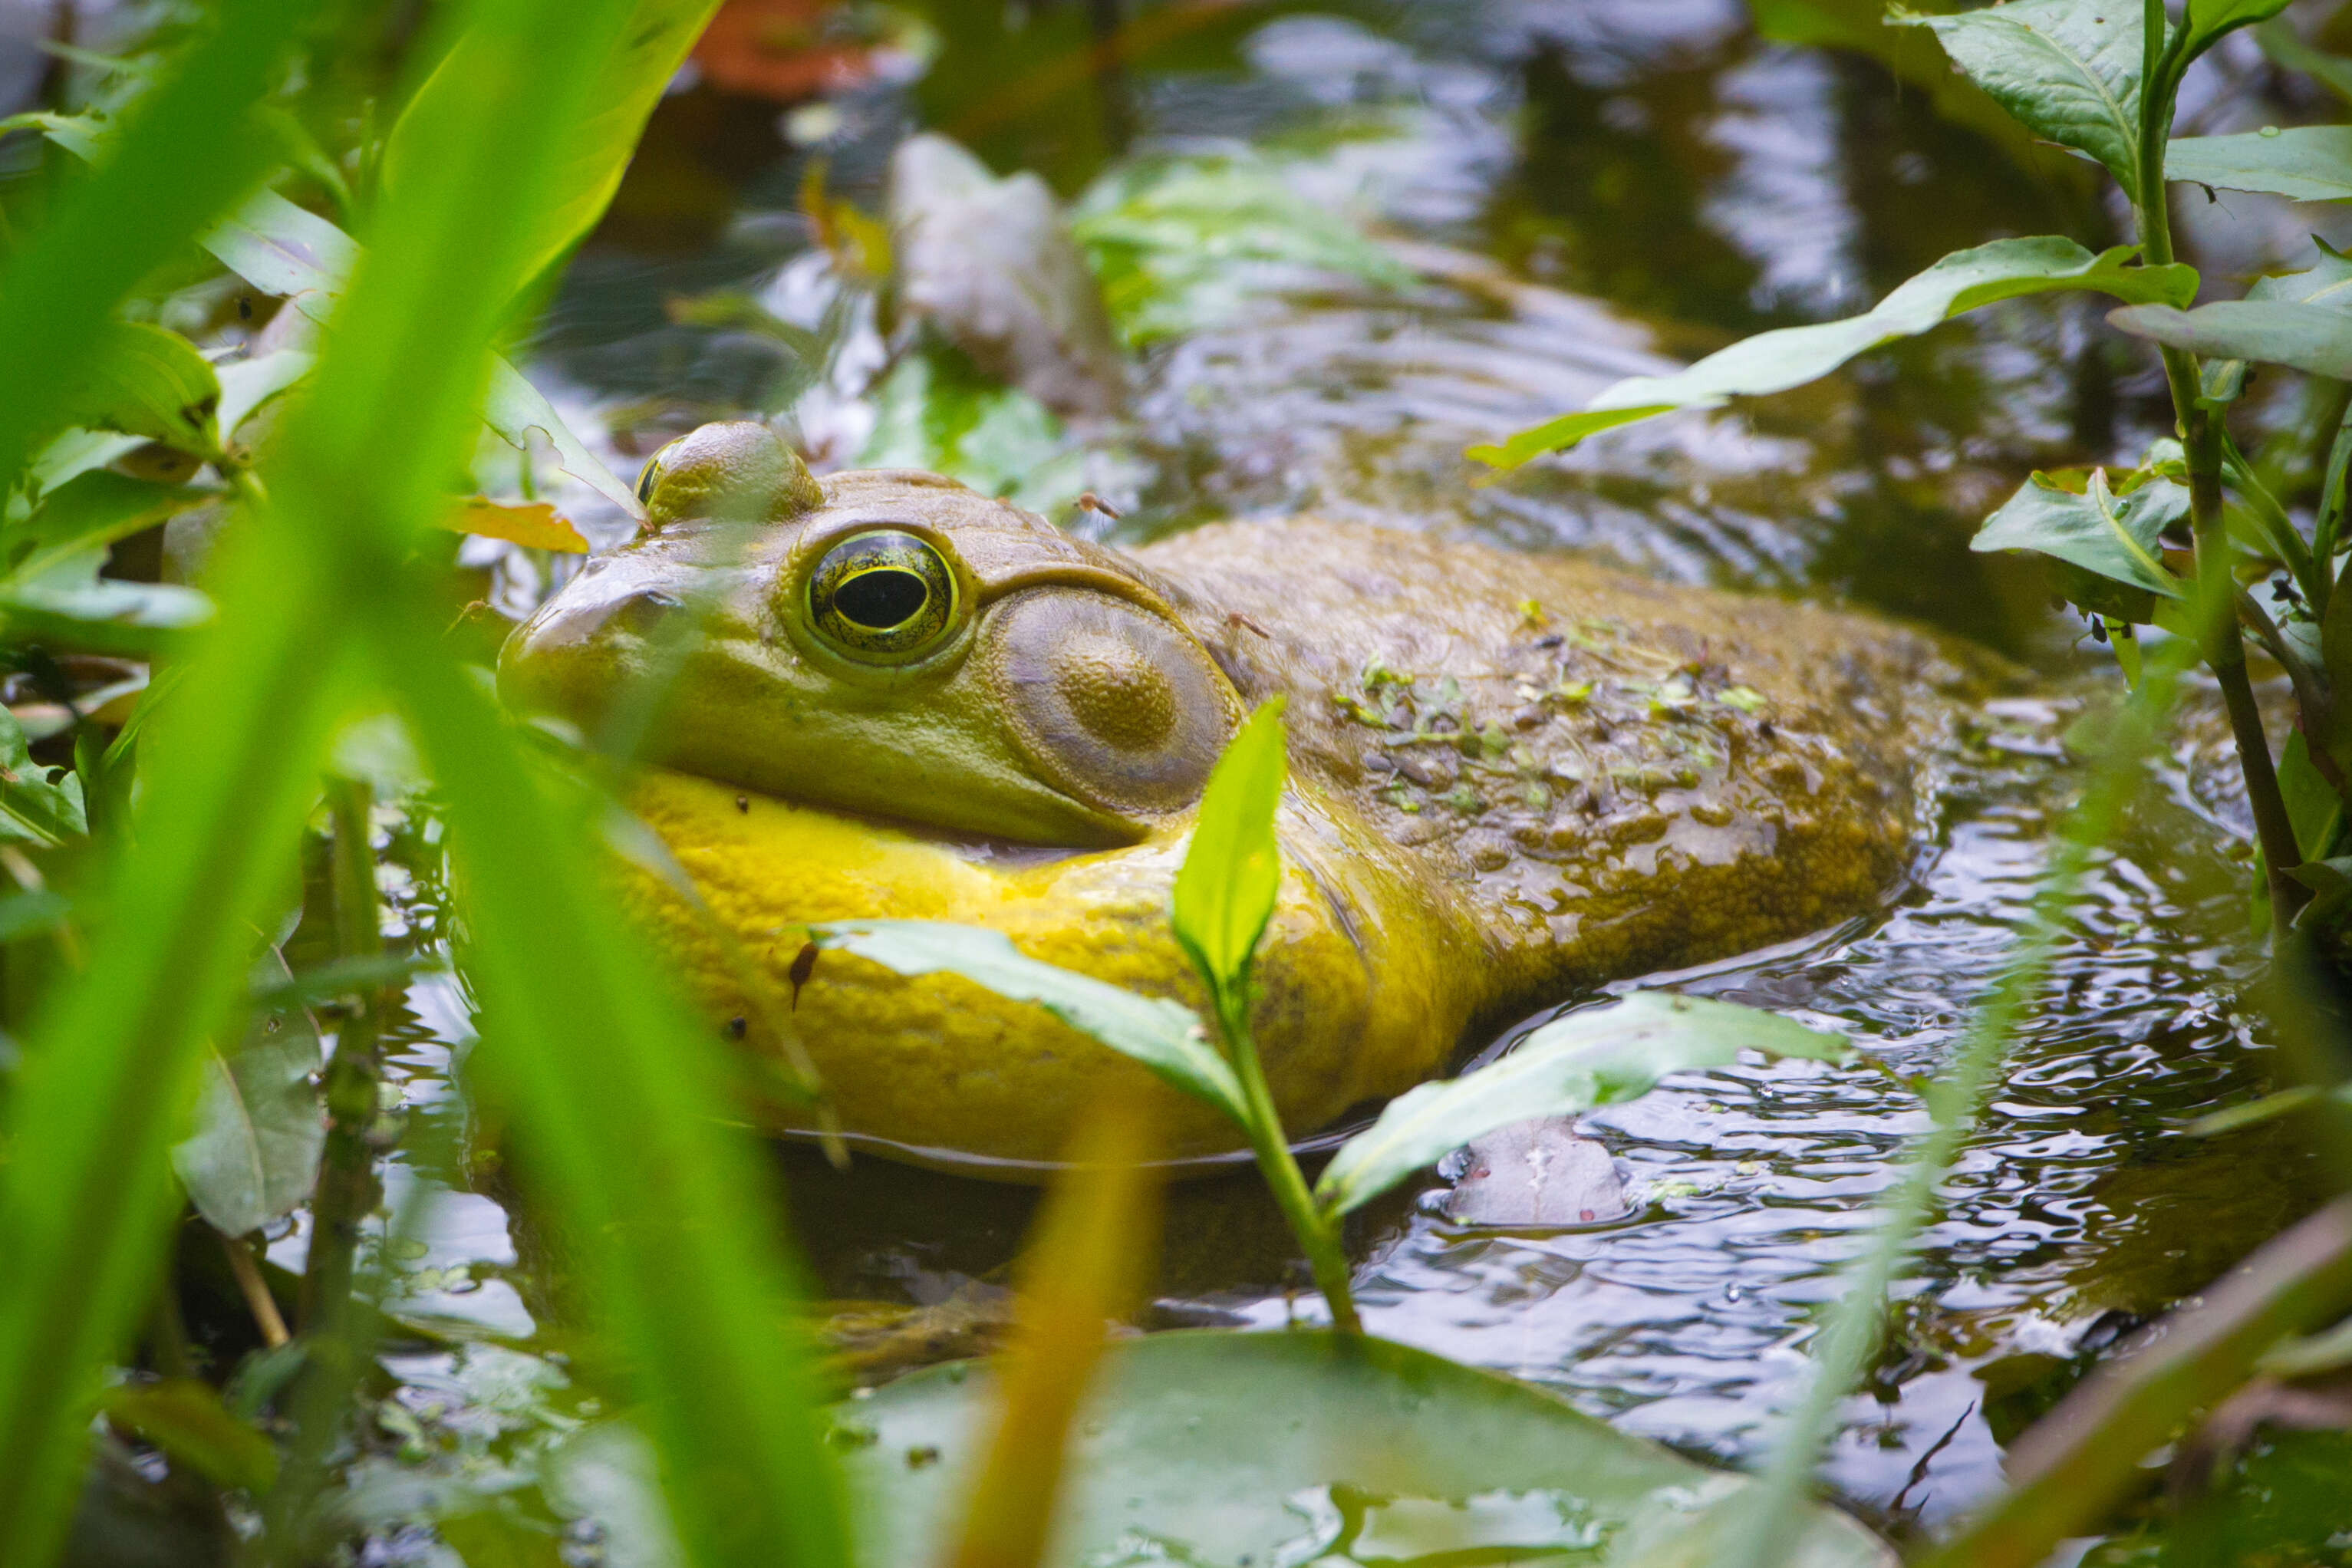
1584	189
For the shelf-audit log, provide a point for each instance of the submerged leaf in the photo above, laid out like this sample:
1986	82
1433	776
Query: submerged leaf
260	1124
1232	875
2112	537
1602	1055
2067	70
1165	1036
2307	164
1777	361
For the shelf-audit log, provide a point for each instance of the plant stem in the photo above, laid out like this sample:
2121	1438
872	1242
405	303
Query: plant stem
347	1193
254	1285
2202	440
1317	1232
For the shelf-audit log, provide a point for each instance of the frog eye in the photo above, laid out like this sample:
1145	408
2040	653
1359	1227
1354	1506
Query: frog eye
884	594
650	475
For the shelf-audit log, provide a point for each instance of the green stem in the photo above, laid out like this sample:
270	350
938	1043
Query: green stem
347	1192
1317	1232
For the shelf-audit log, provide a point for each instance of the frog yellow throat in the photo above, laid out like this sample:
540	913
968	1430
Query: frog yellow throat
885	695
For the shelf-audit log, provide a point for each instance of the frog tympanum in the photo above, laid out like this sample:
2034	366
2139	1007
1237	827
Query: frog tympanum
1511	776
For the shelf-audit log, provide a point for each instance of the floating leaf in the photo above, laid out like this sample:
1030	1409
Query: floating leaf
1777	361
1225	890
37	805
2316	338
1599	1055
2067	70
2114	538
1200	1446
1164	1036
260	1124
2308	163
534	524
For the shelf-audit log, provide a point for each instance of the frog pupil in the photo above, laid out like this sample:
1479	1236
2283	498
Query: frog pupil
881	599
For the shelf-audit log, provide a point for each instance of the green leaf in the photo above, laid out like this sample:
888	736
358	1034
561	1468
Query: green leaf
183	1418
1200	1446
1777	361
1165	1036
2208	20
629	82
144	380
2308	163
1225	890
2329	282
516	409
253	1151
2313	807
248	383
87	512
1600	1055
2068	69
2113	538
2314	338
79	135
37	805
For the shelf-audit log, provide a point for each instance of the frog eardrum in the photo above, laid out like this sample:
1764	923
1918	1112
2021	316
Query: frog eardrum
1113	704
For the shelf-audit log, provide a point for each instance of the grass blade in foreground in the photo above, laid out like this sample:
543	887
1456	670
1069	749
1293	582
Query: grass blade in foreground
1777	361
1847	1339
1599	1057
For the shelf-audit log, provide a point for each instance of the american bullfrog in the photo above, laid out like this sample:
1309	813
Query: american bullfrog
1512	776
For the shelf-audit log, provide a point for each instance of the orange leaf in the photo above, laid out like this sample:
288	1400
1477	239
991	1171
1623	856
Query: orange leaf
534	524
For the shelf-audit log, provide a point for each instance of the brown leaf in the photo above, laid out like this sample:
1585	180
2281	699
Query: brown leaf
534	524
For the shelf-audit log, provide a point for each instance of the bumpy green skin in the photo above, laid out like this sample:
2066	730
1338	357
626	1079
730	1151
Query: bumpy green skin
1511	776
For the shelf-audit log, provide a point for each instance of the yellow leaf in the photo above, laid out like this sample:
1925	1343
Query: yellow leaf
534	524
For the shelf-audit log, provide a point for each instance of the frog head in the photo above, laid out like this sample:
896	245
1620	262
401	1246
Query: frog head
888	643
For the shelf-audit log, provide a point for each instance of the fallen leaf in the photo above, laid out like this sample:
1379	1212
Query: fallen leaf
534	524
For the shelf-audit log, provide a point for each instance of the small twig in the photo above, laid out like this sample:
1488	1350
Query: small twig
255	1290
347	1192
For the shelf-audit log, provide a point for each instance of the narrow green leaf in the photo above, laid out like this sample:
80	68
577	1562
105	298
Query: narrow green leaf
629	83
2306	337
1164	1036
1602	1055
183	1418
253	1151
2208	20
1225	890
2307	164
2068	69
2114	538
1777	361
77	133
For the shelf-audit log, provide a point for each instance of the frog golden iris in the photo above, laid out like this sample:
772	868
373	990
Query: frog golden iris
1511	776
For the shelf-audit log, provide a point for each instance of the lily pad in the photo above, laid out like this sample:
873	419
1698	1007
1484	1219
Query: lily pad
1206	1448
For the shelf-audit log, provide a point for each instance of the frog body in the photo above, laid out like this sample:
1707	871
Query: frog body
1511	776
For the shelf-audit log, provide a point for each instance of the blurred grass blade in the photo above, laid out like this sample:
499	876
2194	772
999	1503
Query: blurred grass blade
1164	1036
618	1103
1225	890
2080	1459
1088	1267
187	149
629	82
1604	1056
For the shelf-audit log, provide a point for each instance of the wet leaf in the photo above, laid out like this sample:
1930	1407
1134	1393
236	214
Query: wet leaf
1203	1447
145	381
1777	361
2314	338
1165	1036
185	1417
2112	537
2067	70
2307	164
260	1124
1600	1055
1225	890
37	805
534	524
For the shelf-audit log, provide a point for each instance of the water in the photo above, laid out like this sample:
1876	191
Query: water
1588	190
